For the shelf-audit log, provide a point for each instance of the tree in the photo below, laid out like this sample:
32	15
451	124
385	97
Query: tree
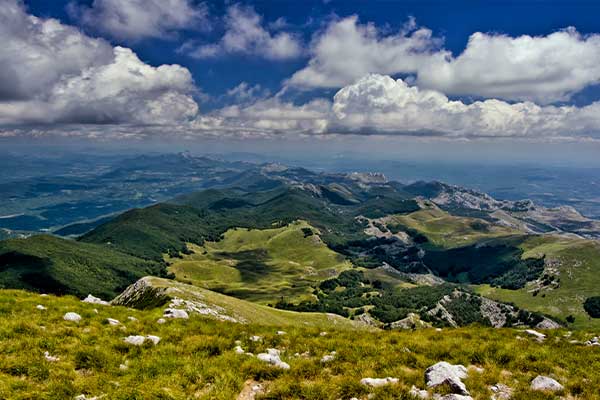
592	306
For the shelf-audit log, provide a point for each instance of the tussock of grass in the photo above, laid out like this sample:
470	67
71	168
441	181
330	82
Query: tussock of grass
195	358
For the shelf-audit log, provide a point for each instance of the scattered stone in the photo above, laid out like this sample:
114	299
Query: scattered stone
175	313
281	333
452	396
544	383
50	358
501	392
272	356
547	323
444	373
593	342
71	316
112	321
123	367
418	393
540	337
43	295
138	340
238	350
94	300
412	321
377	382
323	334
40	307
161	321
256	338
83	397
438	329
153	339
328	357
250	390
132	318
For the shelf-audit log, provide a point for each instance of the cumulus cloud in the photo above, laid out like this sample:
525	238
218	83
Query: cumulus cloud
541	68
378	104
245	34
54	73
347	51
140	19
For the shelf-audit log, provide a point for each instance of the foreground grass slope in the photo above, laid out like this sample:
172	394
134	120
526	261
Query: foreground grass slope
572	271
49	264
262	265
195	357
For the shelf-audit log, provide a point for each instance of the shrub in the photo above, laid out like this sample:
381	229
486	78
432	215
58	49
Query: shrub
592	306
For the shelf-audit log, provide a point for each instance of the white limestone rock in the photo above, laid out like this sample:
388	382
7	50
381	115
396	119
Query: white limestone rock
40	307
94	300
272	356
175	313
113	322
418	393
50	358
378	382
545	383
71	316
444	373
328	357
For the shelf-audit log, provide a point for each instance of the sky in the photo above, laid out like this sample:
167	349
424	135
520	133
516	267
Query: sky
484	79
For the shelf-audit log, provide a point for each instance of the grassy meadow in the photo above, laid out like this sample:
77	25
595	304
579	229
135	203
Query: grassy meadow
261	265
195	358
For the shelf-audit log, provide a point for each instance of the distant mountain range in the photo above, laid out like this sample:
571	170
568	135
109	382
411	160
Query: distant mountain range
352	244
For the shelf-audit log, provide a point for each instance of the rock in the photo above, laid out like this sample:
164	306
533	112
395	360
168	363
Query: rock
540	337
500	392
272	356
175	313
250	390
153	339
112	321
328	357
544	383
281	333
123	367
132	318
40	307
94	300
453	396
135	340
138	340
256	338
71	316
412	321
323	334
161	321
547	323
593	342
418	393
84	397
238	350
475	368
444	373
50	358
377	382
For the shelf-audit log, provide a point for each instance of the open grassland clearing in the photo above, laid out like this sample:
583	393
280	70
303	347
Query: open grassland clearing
261	265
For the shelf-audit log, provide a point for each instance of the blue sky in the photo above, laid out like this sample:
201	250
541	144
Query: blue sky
455	21
379	71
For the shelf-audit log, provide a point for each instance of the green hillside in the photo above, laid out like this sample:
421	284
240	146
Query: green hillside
49	264
195	358
261	265
571	277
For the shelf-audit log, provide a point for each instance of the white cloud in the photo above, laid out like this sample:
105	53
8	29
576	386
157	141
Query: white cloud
57	74
347	51
140	19
542	68
378	104
245	34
